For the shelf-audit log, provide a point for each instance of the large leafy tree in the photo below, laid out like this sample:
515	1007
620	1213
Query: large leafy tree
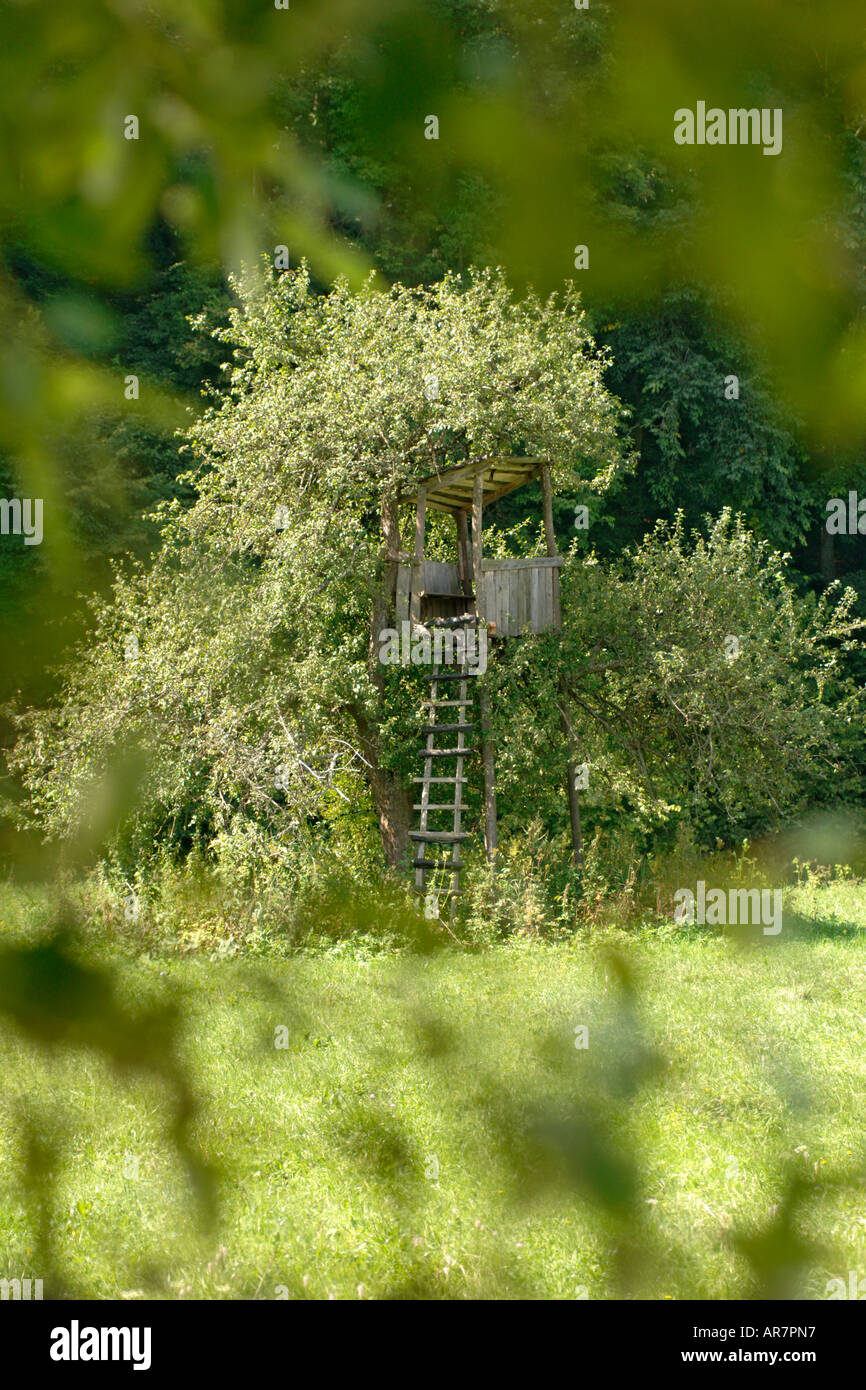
244	664
696	686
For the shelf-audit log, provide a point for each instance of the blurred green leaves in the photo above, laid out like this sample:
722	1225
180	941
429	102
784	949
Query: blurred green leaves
68	1006
305	127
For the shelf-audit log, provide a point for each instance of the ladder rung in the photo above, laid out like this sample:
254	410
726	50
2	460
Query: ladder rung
447	728
437	806
441	593
456	676
435	704
461	781
448	864
457	620
445	752
439	837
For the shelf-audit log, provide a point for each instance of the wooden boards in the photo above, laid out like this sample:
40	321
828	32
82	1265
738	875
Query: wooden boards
519	594
452	490
511	588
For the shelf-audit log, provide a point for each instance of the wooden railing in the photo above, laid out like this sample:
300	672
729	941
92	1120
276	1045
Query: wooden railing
517	595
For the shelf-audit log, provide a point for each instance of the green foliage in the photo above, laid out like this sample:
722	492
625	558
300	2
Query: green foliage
335	384
52	1000
305	127
695	1149
252	642
672	724
670	364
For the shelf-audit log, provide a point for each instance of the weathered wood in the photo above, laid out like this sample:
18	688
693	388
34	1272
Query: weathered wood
440	577
460	499
477	545
452	489
488	584
439	837
418	556
442	752
549	582
573	798
536	615
518	594
428	765
574	817
522	600
539	599
488	762
505	584
547	509
513	464
524	563
556	603
464	556
404	587
458	813
447	728
498	588
420	518
550	538
447	840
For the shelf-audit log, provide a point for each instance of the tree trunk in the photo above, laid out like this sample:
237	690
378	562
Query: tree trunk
828	557
571	788
392	801
574	816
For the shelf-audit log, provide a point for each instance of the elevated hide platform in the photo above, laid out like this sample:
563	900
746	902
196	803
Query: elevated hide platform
515	595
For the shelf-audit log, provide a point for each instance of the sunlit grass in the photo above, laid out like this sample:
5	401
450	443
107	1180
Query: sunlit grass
325	1148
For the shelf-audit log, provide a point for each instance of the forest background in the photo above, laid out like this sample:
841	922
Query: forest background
295	136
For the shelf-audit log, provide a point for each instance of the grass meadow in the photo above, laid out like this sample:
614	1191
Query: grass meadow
399	1124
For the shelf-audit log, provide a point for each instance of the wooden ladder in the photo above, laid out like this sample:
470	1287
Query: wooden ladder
446	841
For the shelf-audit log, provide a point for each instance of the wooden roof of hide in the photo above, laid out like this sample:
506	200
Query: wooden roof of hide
451	490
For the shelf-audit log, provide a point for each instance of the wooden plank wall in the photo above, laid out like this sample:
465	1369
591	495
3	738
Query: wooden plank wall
439	577
436	576
519	594
404	584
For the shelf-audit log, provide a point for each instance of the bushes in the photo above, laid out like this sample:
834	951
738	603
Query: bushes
695	684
